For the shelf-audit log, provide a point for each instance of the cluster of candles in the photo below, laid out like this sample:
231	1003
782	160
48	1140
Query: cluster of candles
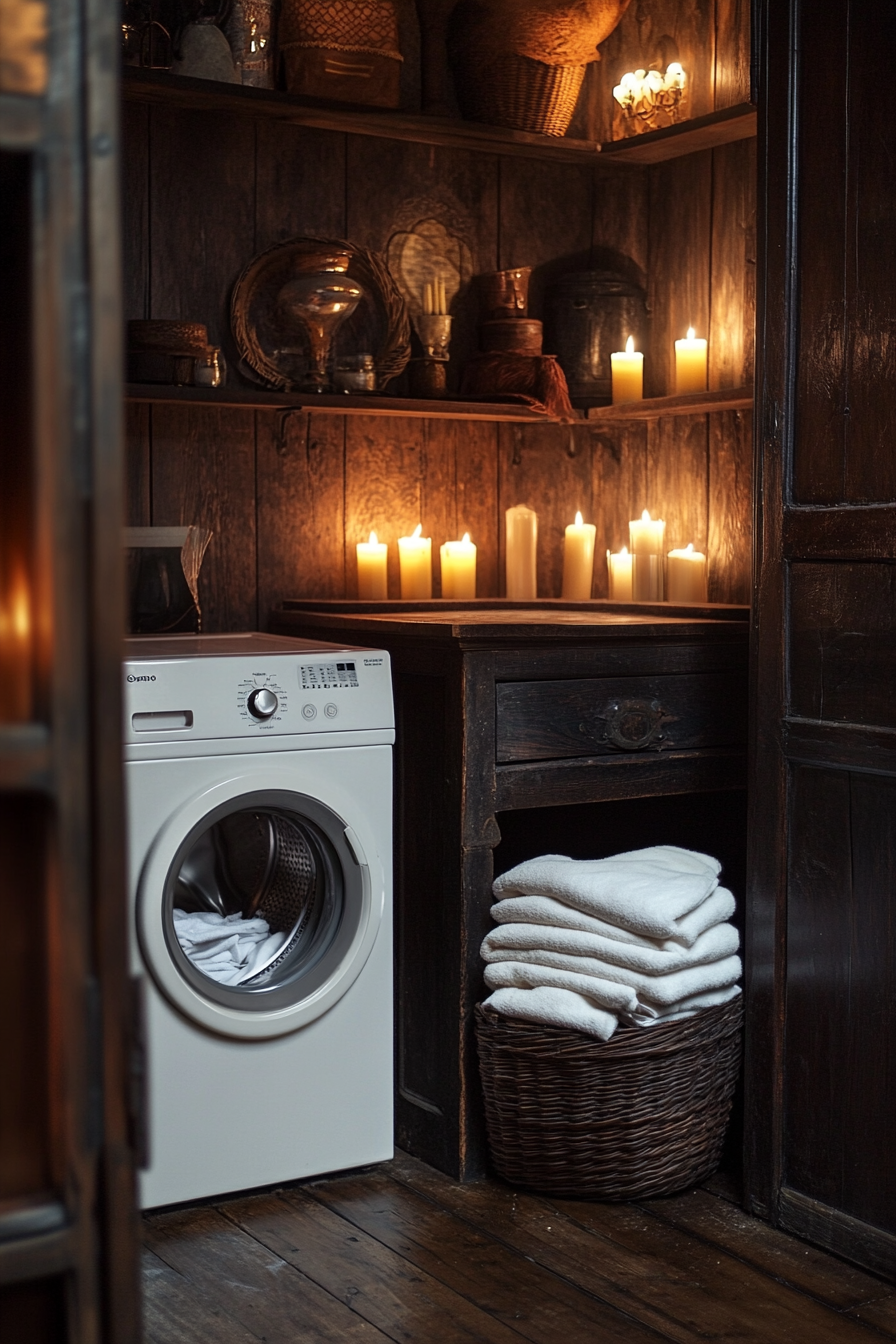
627	367
434	298
641	574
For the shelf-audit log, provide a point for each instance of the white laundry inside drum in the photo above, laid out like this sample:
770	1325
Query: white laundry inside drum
250	899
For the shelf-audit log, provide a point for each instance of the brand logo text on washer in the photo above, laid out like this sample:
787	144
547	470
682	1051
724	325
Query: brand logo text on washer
141	678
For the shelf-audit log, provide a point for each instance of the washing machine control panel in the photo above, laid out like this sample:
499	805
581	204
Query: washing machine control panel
342	690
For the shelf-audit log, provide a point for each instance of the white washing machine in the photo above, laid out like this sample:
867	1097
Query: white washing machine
259	782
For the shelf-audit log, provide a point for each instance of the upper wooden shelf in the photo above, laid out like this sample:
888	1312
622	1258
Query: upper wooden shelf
251	400
692	403
718	128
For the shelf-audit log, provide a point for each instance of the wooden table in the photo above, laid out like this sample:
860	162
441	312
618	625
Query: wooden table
501	707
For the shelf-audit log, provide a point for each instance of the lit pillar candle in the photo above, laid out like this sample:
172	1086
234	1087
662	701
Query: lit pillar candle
646	537
627	368
520	564
686	575
619	570
578	560
690	364
372	580
415	563
458	568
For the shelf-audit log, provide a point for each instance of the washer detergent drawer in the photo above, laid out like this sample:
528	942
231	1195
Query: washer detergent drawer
609	716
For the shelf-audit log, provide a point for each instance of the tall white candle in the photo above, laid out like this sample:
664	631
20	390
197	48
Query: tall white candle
686	575
578	560
690	364
372	574
619	571
627	371
646	537
458	568
521	525
415	562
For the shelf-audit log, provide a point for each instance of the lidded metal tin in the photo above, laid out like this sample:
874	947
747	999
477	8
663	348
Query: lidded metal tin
588	315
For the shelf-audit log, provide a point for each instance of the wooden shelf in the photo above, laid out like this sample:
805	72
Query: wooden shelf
708	132
717	128
693	403
25	757
246	400
21	121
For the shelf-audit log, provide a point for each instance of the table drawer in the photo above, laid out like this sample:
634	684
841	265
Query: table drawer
599	716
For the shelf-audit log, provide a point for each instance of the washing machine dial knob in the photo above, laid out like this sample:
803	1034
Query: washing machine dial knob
263	703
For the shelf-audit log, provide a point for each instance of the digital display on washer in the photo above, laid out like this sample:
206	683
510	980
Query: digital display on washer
327	676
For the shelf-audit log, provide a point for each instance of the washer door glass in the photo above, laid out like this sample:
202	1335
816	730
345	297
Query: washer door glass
262	902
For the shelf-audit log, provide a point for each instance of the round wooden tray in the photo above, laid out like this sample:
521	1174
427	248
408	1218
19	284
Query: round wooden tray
273	349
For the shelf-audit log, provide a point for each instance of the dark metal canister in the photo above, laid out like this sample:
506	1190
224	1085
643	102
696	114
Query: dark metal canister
588	316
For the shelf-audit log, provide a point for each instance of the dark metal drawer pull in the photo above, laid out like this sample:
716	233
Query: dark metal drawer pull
633	725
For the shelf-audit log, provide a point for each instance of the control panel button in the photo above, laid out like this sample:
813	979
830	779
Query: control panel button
331	711
309	712
262	704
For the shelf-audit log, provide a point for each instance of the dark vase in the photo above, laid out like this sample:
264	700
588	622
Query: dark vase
588	315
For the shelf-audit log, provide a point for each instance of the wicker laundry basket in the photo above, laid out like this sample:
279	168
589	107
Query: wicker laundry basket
642	1114
520	93
341	50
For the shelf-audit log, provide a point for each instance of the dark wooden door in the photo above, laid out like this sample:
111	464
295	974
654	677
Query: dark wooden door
68	1227
822	944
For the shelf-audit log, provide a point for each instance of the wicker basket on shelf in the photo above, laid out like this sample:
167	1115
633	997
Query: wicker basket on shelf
642	1114
341	50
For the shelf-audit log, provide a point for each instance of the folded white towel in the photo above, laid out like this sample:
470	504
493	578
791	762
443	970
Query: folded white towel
717	908
656	991
684	1008
674	857
713	945
226	948
644	897
614	998
554	1008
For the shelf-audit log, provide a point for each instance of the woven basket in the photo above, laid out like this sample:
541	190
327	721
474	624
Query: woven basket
520	93
641	1114
342	25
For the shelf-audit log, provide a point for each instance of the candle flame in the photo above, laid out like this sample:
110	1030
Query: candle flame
373	539
691	333
645	516
630	346
624	551
465	539
690	546
418	531
578	519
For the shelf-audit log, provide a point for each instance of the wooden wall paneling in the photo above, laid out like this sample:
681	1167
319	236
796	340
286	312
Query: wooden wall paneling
476	495
548	467
621	232
401	184
300	183
203	472
680	235
822	390
135	207
437	490
545	221
619	482
138	465
731	77
384	488
841	1029
202	217
637	41
300	508
732	265
677	479
843	642
730	553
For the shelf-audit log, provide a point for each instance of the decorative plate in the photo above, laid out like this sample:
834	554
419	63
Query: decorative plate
275	349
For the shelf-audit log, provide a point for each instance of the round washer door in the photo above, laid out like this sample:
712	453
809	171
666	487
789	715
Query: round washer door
257	908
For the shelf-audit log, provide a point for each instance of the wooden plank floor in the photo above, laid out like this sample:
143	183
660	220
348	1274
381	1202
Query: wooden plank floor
401	1253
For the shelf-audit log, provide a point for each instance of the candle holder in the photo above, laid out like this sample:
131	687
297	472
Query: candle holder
434	330
320	299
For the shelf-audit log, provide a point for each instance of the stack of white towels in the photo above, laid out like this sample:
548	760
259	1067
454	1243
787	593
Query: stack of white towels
642	938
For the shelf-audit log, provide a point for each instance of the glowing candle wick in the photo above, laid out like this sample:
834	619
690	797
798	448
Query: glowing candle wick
691	333
578	519
630	346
